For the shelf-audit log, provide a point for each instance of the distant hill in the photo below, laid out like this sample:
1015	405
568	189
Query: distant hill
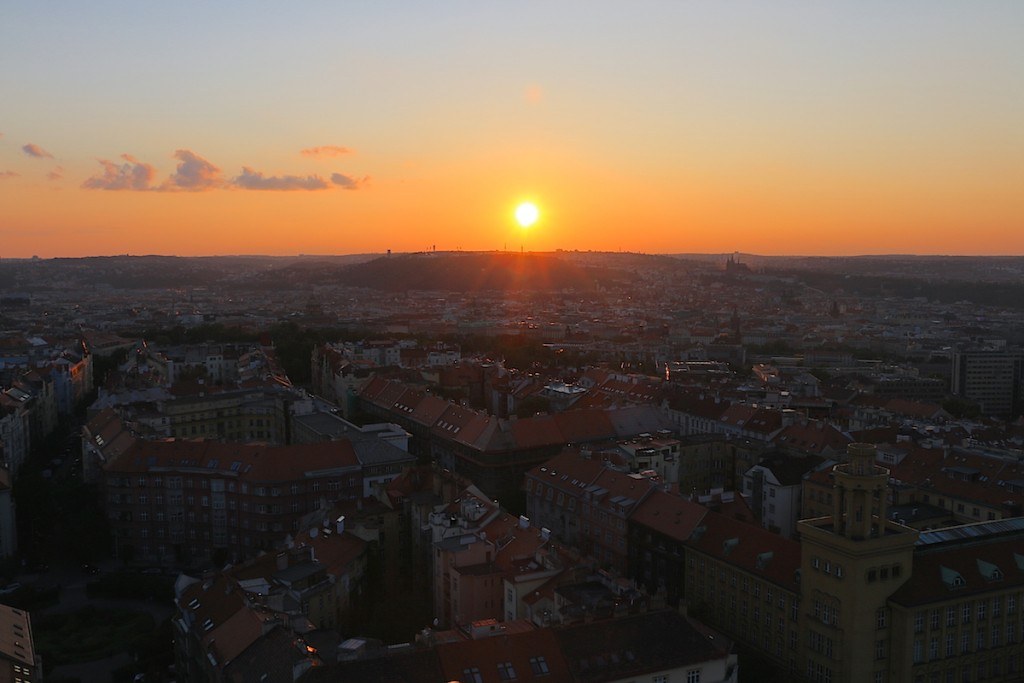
467	272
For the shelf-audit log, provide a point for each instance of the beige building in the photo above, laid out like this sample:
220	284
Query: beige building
851	562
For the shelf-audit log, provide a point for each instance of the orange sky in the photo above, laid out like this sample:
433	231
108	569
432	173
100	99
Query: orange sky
689	127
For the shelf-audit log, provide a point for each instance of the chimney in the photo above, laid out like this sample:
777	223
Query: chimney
282	561
524	522
339	524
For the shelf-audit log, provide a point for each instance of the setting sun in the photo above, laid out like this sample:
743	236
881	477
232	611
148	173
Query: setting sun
527	214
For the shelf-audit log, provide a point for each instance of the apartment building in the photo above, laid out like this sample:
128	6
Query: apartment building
745	581
19	660
182	502
774	488
587	504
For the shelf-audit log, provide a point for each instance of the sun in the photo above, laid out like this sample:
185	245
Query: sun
527	214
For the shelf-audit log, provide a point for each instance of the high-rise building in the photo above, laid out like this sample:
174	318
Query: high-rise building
991	377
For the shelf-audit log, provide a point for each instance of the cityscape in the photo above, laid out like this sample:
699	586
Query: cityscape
320	469
597	342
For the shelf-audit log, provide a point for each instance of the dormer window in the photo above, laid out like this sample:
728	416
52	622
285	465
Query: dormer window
990	571
952	578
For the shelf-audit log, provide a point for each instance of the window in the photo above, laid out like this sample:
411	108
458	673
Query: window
506	671
472	675
539	666
965	613
933	619
950	616
880	617
693	676
933	649
982	604
918	622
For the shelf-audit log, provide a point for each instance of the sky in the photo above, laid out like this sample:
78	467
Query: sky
199	128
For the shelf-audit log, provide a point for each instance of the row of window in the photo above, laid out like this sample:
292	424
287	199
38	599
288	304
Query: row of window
983	639
982	608
217	485
507	671
984	669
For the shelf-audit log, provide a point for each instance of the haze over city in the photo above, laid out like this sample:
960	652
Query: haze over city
776	128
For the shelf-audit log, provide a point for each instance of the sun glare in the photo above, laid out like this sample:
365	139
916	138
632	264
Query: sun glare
527	214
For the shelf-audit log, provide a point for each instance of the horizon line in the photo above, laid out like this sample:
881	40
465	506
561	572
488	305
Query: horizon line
677	254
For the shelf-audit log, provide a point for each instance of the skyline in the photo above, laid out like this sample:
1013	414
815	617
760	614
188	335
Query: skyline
821	130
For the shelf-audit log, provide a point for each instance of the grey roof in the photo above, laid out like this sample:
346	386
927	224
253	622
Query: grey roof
372	450
966	531
297	572
327	425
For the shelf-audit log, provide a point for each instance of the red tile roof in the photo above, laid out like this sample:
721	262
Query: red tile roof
748	547
254	462
670	515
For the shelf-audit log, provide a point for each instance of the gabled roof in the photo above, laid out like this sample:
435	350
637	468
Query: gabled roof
965	565
748	547
814	436
254	462
670	515
518	649
568	471
410	666
630	647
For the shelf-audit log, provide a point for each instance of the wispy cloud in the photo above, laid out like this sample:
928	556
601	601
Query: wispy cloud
255	180
56	174
325	151
347	182
8	174
131	175
194	174
34	150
